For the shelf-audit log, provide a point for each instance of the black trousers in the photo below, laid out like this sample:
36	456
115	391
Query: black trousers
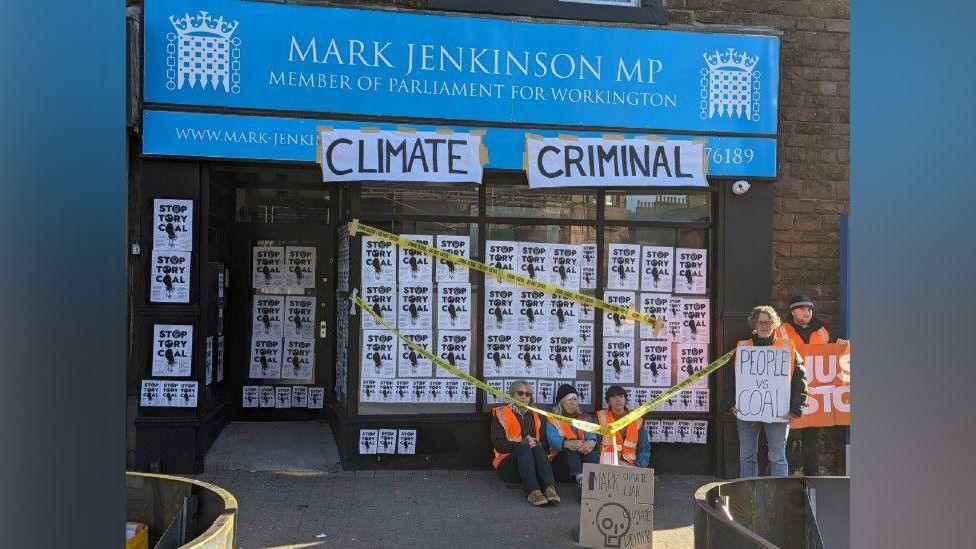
527	465
569	463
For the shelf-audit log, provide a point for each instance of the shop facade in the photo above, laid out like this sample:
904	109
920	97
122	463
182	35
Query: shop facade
242	267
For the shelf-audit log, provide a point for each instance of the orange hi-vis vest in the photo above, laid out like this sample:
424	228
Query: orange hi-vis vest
628	444
777	342
513	428
567	431
787	331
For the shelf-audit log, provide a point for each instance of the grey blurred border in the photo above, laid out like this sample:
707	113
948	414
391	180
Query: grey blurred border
62	321
913	270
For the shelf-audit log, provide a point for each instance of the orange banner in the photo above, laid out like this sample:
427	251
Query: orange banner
828	385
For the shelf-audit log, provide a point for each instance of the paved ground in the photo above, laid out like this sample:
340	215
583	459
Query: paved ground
291	492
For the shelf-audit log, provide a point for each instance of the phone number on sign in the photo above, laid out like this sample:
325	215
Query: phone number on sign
729	155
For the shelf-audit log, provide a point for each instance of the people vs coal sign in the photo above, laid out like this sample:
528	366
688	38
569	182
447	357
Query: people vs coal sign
385	155
762	383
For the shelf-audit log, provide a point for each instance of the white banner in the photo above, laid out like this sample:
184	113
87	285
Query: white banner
599	162
389	155
172	350
170	273
172	224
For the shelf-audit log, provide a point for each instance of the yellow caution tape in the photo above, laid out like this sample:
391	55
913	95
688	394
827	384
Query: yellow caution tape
656	324
603	430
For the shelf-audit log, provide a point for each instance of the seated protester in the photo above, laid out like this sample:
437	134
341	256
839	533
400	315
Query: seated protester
521	451
572	446
633	446
764	321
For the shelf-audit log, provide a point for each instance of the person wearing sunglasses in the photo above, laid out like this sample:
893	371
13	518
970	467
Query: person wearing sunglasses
521	450
573	446
764	323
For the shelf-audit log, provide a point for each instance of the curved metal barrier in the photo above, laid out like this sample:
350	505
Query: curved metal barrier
770	512
181	512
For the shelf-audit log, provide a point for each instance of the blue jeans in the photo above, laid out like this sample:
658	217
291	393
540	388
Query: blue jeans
776	434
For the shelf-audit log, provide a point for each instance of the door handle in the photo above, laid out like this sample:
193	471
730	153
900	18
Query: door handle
323	329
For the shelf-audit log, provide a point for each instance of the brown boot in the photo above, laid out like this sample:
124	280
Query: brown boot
536	498
552	496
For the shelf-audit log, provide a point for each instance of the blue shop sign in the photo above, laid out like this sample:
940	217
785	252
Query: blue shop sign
271	56
170	133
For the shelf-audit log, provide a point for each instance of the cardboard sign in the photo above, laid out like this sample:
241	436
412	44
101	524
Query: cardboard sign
762	383
378	261
617	506
299	359
457	245
391	155
563	316
535	260
266	396
615	325
172	224
618	360
623	266
208	360
692	357
250	397
600	162
316	397
454	306
532	355
172	353
379	351
382	299
299	318
501	309
170	272
265	358
562	356
367	441
416	268
655	363
691	270
300	267
587	266
267	271
267	316
695	320
656	305
410	362
502	254
455	348
828	386
565	270
416	307
657	268
500	354
532	311
407	441
387	442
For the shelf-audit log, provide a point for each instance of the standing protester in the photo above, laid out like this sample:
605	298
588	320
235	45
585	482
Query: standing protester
802	328
573	446
764	321
521	453
633	447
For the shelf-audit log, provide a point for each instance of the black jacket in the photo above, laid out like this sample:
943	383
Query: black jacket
814	325
500	440
798	381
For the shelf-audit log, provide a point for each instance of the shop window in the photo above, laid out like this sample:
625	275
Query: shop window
281	206
441	200
519	201
621	206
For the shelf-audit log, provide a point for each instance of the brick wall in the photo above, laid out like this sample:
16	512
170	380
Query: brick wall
813	187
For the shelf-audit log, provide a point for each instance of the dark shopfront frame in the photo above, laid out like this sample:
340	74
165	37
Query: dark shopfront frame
461	441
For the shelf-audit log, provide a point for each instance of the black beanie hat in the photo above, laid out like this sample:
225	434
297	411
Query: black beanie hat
615	390
565	389
801	301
